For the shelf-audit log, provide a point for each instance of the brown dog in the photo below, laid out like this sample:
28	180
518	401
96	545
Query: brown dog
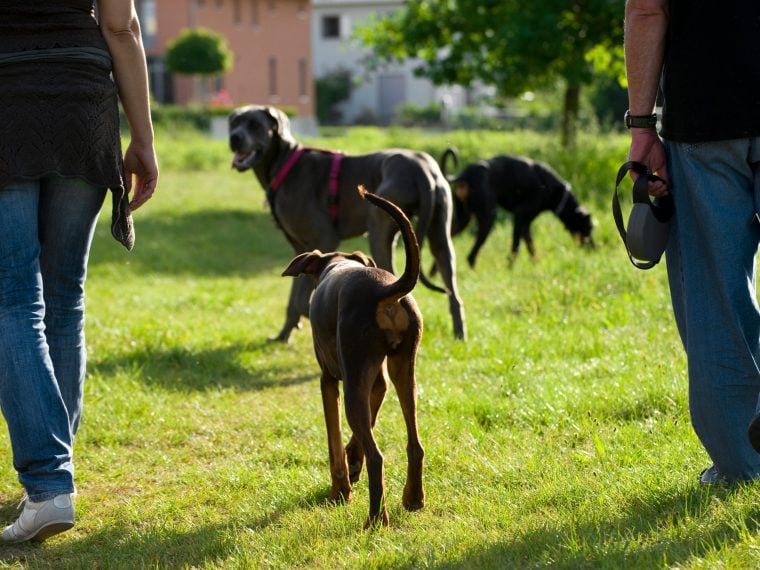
366	326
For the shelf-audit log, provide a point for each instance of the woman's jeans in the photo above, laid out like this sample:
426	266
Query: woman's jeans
46	228
711	271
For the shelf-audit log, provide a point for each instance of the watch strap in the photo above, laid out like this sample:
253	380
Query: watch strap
640	121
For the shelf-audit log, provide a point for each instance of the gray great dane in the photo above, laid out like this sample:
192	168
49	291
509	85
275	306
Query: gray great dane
316	205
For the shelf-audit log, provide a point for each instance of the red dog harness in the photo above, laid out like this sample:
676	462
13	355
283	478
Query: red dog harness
332	185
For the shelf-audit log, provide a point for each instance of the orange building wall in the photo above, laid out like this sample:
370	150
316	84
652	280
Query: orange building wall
282	33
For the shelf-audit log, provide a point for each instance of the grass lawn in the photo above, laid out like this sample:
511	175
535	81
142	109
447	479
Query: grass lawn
558	435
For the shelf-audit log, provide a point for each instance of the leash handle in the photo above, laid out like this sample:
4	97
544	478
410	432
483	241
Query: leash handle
640	195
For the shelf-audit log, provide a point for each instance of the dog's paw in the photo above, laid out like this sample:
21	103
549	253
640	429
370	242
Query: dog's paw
381	519
283	337
339	496
355	470
413	498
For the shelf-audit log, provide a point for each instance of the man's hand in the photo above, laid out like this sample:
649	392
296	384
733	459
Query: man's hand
647	148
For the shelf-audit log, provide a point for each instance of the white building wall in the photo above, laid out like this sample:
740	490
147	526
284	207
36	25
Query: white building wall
376	94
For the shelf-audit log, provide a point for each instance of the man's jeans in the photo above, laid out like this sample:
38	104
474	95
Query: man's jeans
711	270
46	229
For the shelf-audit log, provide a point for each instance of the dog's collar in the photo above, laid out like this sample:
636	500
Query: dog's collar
285	168
562	201
332	186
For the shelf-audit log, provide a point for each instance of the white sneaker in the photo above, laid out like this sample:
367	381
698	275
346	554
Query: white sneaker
39	521
711	476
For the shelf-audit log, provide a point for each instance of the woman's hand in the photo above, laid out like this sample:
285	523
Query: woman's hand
140	163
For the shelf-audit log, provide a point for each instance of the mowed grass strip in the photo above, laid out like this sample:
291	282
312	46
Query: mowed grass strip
558	435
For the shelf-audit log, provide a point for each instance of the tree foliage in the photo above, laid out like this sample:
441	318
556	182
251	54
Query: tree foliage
198	51
331	89
514	45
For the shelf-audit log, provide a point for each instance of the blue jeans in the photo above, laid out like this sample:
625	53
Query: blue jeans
46	228
711	271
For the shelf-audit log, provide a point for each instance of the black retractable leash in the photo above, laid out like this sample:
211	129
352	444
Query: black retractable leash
649	222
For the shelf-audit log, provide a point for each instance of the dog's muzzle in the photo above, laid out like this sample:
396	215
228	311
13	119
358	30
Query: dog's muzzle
244	156
242	161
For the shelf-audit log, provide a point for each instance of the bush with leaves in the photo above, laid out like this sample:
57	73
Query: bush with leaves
198	51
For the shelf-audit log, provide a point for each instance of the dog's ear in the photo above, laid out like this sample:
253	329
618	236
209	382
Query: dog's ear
312	262
282	122
365	260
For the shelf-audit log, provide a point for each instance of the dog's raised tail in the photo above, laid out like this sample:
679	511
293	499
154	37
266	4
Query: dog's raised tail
452	153
408	279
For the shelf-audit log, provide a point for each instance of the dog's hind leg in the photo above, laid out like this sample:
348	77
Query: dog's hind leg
341	486
445	258
357	389
401	368
354	452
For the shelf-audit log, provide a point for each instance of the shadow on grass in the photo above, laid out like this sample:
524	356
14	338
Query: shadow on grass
205	243
181	369
152	546
633	541
637	540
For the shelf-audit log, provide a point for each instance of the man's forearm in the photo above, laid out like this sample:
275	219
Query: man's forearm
645	28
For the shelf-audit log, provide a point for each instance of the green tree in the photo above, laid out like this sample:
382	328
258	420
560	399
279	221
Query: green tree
514	45
331	89
198	52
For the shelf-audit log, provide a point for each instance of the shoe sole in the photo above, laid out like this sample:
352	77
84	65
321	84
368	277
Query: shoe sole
754	433
51	529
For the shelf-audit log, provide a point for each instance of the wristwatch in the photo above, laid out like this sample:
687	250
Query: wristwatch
640	121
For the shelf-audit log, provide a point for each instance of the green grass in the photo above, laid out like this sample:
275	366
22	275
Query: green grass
558	435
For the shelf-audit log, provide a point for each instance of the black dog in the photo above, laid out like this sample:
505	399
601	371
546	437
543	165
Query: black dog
521	186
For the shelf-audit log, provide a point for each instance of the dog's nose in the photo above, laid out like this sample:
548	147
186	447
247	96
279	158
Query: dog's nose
235	140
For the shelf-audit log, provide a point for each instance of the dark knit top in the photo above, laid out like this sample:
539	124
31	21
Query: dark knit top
711	79
58	102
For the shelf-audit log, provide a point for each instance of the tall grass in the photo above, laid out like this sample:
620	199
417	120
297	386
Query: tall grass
558	435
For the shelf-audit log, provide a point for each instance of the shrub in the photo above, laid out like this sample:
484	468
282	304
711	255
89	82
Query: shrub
198	51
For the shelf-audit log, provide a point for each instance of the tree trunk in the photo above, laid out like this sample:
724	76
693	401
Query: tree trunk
570	114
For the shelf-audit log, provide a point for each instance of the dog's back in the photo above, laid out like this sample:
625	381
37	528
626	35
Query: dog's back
357	305
523	185
367	306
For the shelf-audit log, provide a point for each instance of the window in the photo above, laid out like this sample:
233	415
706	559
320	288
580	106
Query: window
254	12
302	78
149	27
272	77
331	27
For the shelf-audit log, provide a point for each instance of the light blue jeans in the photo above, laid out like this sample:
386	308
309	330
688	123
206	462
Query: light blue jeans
711	271
46	229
